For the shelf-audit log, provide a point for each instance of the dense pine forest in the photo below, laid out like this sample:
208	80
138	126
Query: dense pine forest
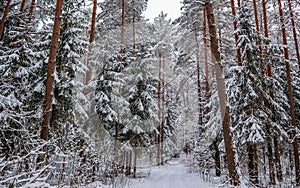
92	91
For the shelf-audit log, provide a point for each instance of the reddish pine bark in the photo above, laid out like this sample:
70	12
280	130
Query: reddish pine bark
290	96
50	71
262	65
205	55
6	10
294	33
31	11
225	112
271	93
88	76
19	20
238	51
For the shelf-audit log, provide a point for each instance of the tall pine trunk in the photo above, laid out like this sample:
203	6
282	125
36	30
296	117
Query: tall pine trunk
290	97
294	33
31	9
122	27
252	163
205	43
162	113
225	112
238	51
88	76
3	19
50	72
159	129
19	22
271	93
200	120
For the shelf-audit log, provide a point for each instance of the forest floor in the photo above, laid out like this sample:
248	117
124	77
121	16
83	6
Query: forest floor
175	174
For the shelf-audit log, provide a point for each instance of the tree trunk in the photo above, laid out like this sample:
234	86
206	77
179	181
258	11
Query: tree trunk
252	163
134	162
200	120
30	12
162	113
277	160
217	156
122	28
19	21
207	89
225	112
133	28
262	65
50	71
294	33
88	76
5	13
238	51
159	108
269	141
290	96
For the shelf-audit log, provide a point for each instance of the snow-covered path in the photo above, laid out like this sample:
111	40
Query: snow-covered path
172	175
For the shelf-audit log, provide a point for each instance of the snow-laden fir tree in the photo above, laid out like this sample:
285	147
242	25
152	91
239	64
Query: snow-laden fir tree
248	95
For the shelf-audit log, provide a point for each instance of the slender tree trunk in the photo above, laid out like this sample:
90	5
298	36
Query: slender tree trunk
290	96
6	10
123	27
19	21
88	75
225	112
134	162
205	42
30	12
238	51
50	71
162	113
217	156
200	120
277	161
252	163
159	108
133	28
294	33
269	141
262	66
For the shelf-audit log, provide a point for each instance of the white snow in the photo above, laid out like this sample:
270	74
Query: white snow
173	175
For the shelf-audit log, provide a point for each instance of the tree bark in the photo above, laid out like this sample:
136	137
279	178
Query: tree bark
238	51
30	12
19	20
50	71
162	114
252	163
225	112
205	42
88	76
294	33
133	28
200	120
134	162
262	65
122	27
159	108
291	97
271	93
5	13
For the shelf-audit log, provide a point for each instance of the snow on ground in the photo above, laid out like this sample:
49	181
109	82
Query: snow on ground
175	174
